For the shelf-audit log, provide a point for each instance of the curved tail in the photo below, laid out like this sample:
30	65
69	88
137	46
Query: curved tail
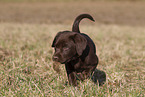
75	27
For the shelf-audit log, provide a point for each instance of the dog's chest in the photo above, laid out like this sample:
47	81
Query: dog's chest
79	67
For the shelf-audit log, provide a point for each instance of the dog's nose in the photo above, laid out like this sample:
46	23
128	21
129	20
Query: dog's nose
55	58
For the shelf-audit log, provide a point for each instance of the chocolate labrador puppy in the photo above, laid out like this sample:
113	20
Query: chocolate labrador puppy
77	51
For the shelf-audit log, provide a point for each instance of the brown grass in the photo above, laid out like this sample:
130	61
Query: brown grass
124	13
29	70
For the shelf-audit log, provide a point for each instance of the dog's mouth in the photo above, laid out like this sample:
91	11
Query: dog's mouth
70	59
67	60
60	61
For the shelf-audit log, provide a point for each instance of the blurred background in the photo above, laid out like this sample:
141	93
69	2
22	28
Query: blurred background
120	12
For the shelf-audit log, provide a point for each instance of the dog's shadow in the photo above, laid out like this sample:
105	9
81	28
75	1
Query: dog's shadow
99	77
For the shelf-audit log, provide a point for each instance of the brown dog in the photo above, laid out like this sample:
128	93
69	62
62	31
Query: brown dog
77	51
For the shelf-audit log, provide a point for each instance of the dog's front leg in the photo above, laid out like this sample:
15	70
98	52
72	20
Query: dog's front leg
87	72
72	78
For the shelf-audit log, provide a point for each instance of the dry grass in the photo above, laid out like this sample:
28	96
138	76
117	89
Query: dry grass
124	13
26	66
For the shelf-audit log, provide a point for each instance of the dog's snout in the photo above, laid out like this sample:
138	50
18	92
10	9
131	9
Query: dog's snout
55	58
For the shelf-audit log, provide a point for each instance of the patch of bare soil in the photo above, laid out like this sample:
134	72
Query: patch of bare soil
124	13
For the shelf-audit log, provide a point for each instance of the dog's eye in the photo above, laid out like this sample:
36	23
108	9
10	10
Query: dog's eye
65	48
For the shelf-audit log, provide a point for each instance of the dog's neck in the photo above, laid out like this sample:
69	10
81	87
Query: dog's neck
85	53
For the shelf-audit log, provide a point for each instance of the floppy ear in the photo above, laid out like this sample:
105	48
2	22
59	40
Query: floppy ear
80	42
55	39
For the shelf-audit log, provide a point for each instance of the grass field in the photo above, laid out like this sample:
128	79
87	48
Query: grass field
26	66
26	34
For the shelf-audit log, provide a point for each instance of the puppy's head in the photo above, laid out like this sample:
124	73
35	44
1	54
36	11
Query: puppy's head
67	44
